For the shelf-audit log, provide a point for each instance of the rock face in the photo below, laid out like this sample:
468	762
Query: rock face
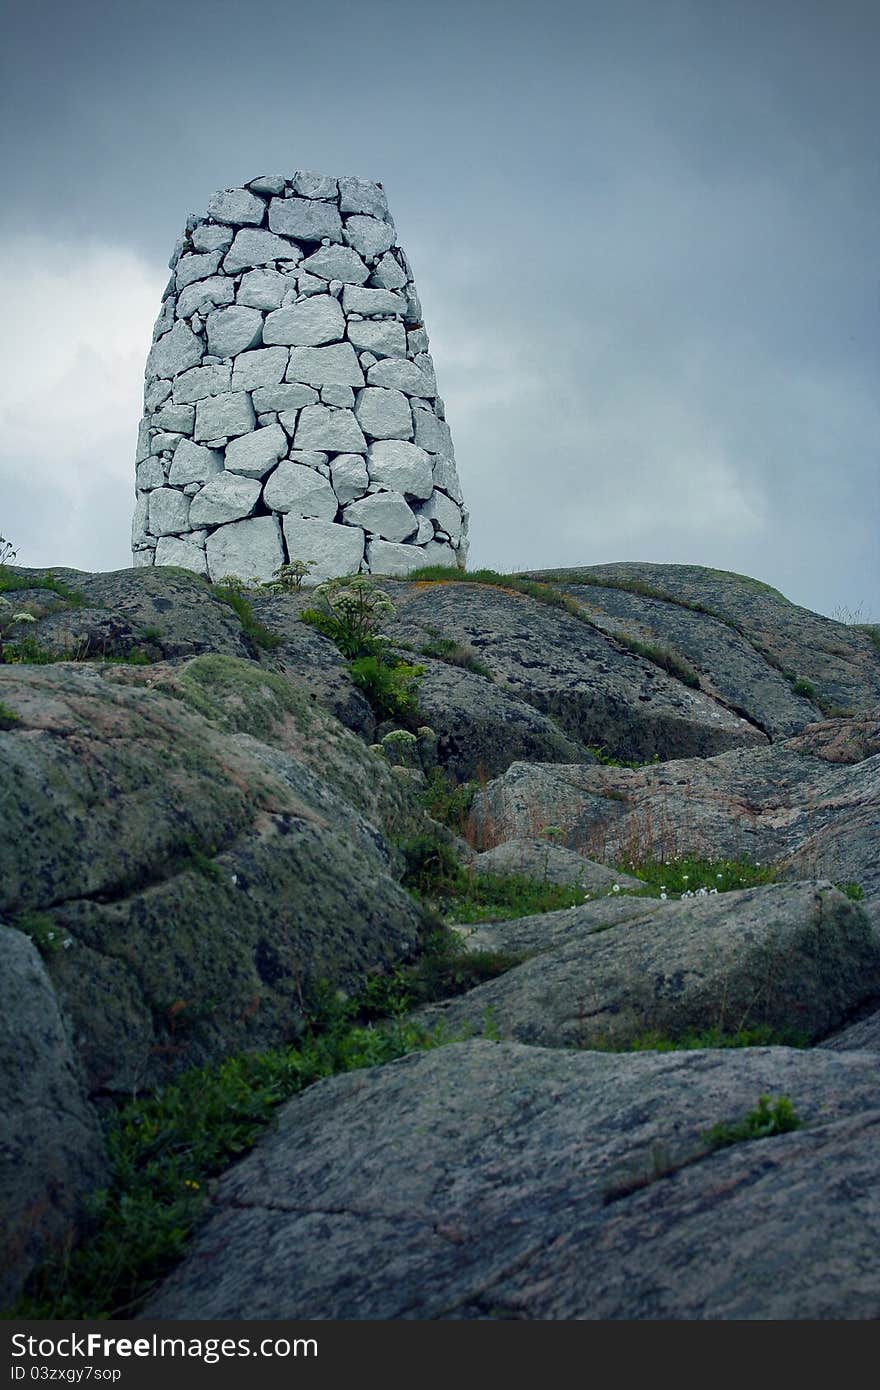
487	1180
51	1152
291	329
215	878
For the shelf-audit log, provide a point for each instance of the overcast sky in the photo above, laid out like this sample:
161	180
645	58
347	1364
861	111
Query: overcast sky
645	236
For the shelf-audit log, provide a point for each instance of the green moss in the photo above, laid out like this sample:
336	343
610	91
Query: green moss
8	718
238	695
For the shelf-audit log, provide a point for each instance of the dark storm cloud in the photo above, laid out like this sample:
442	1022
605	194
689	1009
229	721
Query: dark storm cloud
644	235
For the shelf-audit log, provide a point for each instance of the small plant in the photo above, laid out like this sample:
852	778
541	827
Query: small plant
456	654
448	801
762	1035
8	553
8	620
351	607
854	891
8	718
688	876
43	931
390	687
230	589
803	687
289	578
769	1118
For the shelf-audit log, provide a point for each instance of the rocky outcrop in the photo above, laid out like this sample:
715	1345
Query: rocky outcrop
51	1151
678	604
772	805
492	1180
798	959
291	409
205	878
551	863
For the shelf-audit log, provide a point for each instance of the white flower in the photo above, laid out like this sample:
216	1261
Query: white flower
234	878
616	888
663	897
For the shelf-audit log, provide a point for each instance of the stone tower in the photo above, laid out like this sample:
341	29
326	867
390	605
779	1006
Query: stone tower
290	405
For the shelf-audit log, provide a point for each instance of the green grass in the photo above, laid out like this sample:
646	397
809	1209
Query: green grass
434	875
26	651
240	604
448	801
8	718
770	1117
456	654
854	891
663	657
690	874
761	1035
165	1149
390	687
11	583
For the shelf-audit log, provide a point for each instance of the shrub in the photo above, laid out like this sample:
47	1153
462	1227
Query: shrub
231	590
390	688
289	578
350	609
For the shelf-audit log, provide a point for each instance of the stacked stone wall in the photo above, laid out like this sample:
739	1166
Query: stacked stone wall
290	405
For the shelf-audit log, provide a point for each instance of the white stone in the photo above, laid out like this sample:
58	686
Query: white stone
268	183
193	463
141	558
293	487
149	474
169	511
165	319
425	532
262	289
416	341
143	440
250	549
304	218
205	295
155	394
337	263
253	247
225	497
397	561
312	458
360	195
338	395
177	418
163	443
223	416
446	476
209	237
386	514
175	352
383	414
441	509
385	338
388	274
200	382
260	367
269	417
358	300
305	285
283	397
254	454
336	365
234	330
350	477
139	520
311	185
432	434
369	236
437	554
334	549
237	205
287	419
403	375
191	268
178	550
322	427
413	304
402	467
312	321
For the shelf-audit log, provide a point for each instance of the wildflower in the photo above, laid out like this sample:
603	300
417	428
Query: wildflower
67	942
719	875
663	897
685	877
234	879
616	888
193	1186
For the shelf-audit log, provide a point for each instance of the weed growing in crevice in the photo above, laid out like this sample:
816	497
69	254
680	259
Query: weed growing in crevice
165	1150
231	590
769	1118
761	1035
448	801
